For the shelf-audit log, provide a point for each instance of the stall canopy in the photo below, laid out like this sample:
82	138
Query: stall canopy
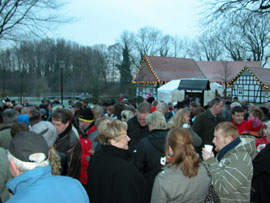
194	84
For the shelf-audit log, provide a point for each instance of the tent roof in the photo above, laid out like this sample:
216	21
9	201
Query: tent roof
194	84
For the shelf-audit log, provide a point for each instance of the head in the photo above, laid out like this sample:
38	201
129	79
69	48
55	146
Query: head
97	111
61	119
27	151
109	110
10	115
126	115
181	117
47	130
18	127
266	131
118	108
256	113
216	106
178	145
235	99
238	115
156	121
113	132
162	107
224	134
192	106
143	110
86	117
34	115
198	110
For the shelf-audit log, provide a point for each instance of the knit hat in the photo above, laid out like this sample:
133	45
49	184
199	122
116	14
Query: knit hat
24	118
47	130
86	115
25	144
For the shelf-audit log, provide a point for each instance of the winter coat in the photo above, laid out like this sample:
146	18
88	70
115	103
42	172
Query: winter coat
4	175
204	125
231	176
5	136
136	133
86	141
68	143
172	186
149	157
39	185
112	177
261	177
195	138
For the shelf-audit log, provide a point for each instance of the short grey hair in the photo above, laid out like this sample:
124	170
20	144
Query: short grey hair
156	120
27	166
10	115
163	106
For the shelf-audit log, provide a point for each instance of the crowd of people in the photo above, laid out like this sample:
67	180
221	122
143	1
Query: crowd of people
122	152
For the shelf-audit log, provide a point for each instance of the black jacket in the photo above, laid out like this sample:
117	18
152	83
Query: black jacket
112	177
149	157
68	143
261	177
136	133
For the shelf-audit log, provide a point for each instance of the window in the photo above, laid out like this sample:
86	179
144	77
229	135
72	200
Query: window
240	91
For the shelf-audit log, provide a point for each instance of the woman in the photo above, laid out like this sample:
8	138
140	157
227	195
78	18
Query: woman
181	119
112	177
149	157
184	179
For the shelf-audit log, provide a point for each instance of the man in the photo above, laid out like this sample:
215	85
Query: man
163	108
9	117
206	122
231	169
137	126
67	142
87	140
33	181
238	119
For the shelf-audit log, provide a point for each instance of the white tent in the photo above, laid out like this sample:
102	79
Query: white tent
169	92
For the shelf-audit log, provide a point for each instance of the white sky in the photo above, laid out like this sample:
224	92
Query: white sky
103	21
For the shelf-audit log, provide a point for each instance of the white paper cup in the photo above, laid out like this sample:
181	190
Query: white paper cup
208	147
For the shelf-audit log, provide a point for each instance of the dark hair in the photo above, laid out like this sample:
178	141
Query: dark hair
214	101
237	109
18	127
144	107
61	115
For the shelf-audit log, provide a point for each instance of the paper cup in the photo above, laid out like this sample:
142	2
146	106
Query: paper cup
208	147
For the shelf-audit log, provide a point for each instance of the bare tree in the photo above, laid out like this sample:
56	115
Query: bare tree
19	17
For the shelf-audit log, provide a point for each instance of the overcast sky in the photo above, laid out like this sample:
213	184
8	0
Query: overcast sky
103	21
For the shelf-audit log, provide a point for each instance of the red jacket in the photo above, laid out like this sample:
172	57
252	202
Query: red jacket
241	127
86	148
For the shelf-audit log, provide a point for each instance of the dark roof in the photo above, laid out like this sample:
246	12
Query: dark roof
221	71
164	69
194	84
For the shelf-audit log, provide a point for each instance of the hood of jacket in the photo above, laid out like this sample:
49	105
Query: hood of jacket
247	144
158	138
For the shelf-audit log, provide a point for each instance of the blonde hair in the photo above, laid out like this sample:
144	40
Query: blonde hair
111	129
178	119
156	120
228	129
179	140
55	161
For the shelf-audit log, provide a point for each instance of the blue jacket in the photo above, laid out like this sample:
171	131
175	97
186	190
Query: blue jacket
39	185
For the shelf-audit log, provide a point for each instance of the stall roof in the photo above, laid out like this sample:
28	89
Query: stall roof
194	84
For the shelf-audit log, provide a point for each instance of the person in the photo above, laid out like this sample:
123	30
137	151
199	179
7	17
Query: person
206	122
49	133
181	119
231	169
67	142
5	175
137	126
149	157
9	117
261	175
163	108
227	111
112	177
184	179
126	115
33	182
87	139
238	119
